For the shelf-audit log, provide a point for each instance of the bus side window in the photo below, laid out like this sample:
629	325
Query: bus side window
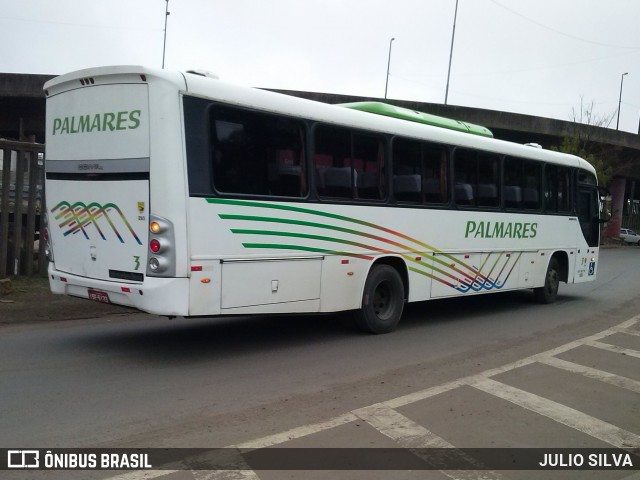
348	164
419	171
557	189
257	153
407	170
434	173
476	178
532	186
551	188
488	180
522	185
334	176
368	163
512	190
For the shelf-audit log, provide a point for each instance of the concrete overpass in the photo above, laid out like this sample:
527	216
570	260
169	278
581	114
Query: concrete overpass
22	106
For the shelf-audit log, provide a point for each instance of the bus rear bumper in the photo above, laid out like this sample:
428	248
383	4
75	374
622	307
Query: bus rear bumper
161	296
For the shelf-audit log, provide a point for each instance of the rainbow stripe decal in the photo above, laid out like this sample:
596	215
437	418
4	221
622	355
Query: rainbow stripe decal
441	267
80	217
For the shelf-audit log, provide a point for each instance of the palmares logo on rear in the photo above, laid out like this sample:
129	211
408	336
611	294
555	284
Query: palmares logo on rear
500	229
97	122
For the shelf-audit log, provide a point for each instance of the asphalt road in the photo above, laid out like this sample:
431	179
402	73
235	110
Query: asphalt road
142	381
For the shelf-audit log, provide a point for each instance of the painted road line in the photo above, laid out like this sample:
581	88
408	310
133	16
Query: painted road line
560	413
614	348
297	432
399	428
225	475
628	331
143	475
610	378
408	434
432	391
479	379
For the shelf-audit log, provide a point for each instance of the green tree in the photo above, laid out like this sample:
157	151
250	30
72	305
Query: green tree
575	146
580	141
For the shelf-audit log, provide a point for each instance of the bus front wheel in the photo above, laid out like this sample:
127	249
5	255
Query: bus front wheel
549	292
382	301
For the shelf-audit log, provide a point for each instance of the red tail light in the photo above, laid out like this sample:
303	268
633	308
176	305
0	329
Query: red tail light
154	245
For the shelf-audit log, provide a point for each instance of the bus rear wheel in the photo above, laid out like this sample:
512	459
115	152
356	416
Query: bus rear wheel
549	292
382	301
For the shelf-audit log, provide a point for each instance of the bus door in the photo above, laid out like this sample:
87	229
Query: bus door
589	219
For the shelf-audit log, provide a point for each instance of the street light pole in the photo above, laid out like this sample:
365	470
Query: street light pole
620	99
453	36
164	45
388	65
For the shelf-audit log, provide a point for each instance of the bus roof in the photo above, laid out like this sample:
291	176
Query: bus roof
380	108
248	97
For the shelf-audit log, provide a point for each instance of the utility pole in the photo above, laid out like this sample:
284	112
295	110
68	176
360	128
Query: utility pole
453	36
164	45
388	65
620	99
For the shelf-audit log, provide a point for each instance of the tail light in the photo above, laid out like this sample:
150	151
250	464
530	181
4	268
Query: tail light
162	253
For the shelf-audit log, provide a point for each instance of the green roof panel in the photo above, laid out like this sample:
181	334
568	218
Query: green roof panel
387	110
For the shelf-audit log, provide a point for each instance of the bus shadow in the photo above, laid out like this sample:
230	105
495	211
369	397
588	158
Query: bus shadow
156	340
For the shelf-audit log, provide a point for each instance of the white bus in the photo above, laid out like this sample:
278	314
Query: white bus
182	195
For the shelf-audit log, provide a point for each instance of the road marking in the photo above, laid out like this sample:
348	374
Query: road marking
391	423
297	432
613	348
610	378
411	435
568	416
225	475
399	428
628	331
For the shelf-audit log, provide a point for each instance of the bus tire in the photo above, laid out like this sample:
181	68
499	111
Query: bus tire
549	292
382	301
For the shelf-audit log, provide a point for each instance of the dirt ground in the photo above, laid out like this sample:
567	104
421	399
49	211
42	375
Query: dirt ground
31	301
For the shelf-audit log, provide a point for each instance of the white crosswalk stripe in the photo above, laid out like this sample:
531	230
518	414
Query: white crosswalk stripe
408	434
602	376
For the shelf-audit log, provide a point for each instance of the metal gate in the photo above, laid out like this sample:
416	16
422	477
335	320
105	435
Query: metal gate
21	208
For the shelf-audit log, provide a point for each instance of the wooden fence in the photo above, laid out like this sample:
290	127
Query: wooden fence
21	208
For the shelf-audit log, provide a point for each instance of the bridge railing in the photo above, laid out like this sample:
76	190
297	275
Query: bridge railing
21	208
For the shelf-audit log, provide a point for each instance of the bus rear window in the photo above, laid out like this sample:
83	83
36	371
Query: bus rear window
256	153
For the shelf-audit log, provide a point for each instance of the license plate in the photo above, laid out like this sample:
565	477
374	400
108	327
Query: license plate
98	296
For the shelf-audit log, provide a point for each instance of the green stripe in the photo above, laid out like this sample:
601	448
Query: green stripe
290	208
301	235
303	249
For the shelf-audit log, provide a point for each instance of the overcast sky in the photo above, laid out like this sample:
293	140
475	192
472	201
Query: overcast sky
537	57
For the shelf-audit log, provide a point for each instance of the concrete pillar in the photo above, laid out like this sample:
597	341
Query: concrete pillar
617	204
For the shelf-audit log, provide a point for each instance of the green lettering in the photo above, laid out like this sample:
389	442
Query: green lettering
122	117
534	227
72	127
517	231
471	227
508	231
95	125
487	233
57	123
84	123
525	232
65	125
107	121
498	230
134	118
480	232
